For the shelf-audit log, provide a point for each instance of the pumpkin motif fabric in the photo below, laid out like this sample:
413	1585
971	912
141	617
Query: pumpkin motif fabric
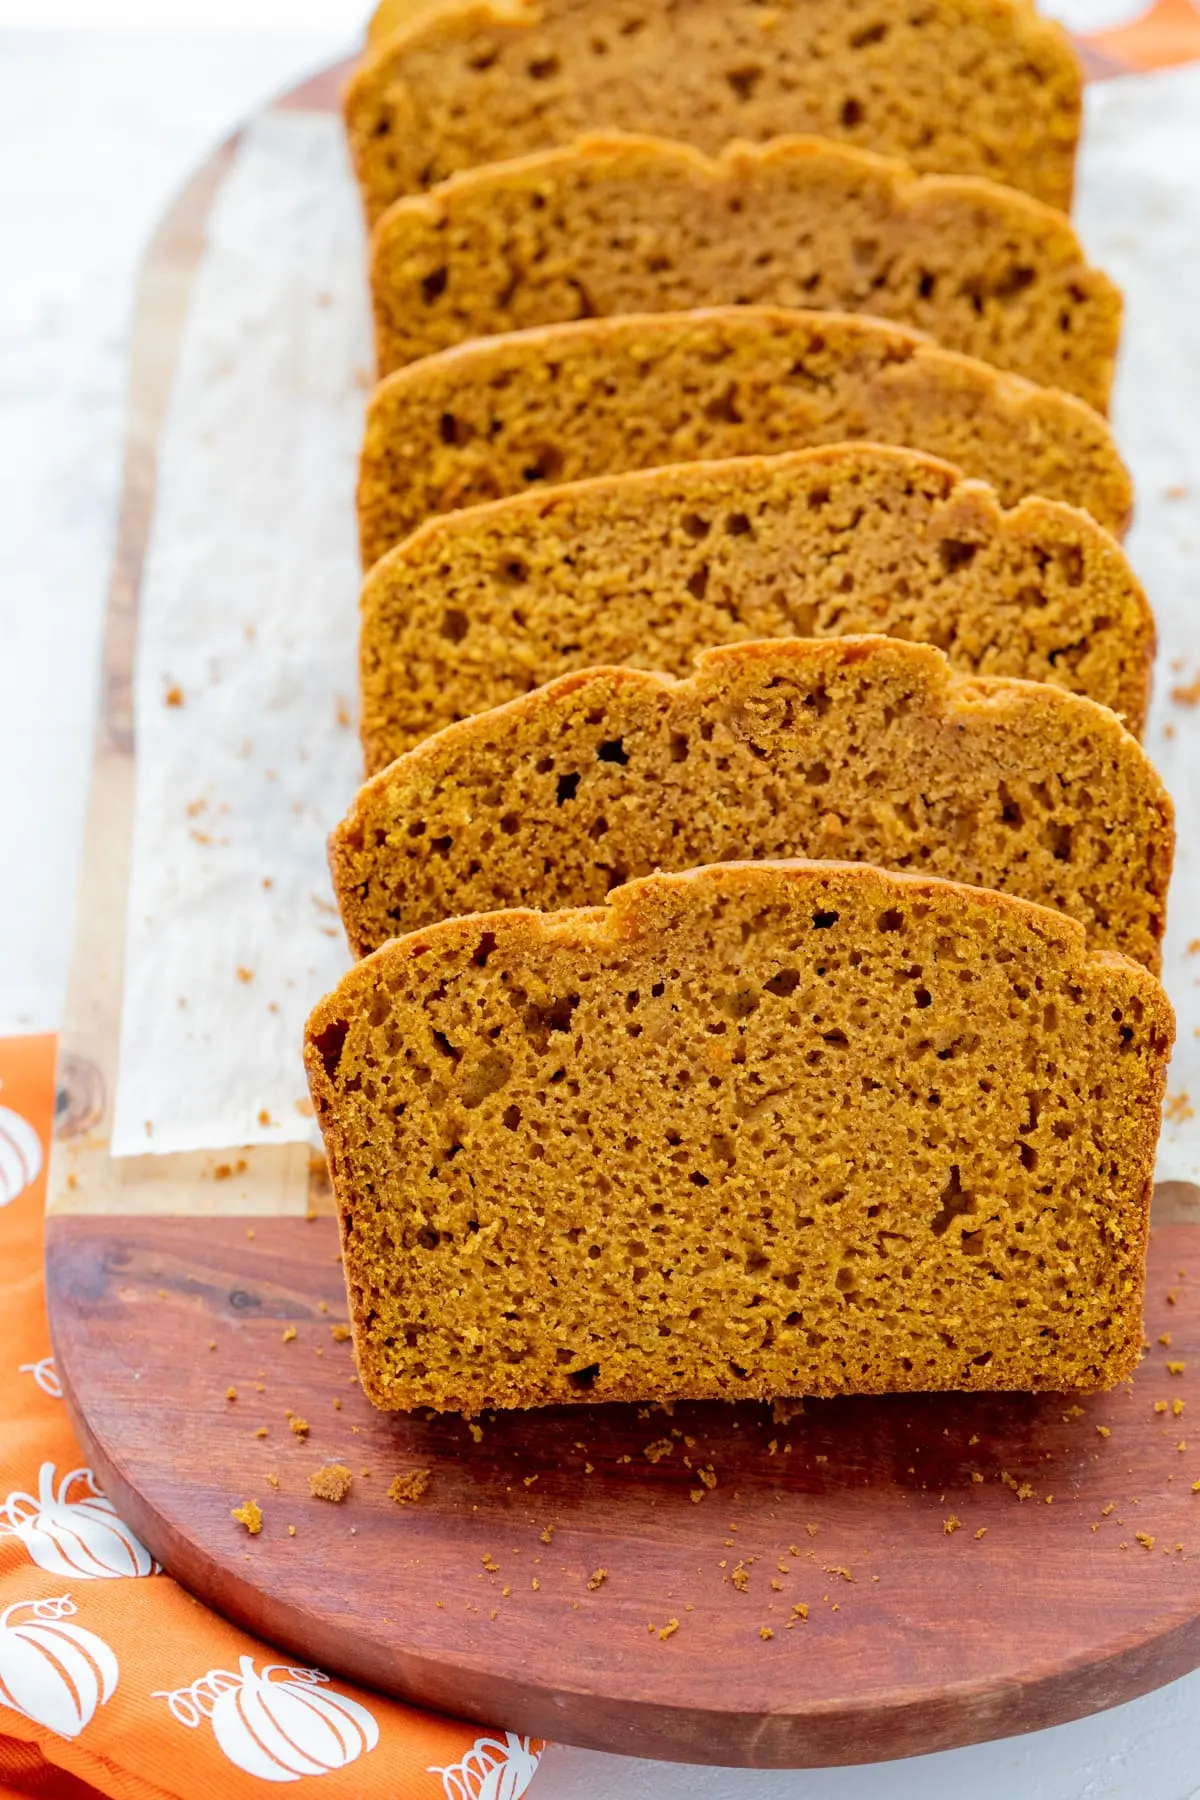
113	1680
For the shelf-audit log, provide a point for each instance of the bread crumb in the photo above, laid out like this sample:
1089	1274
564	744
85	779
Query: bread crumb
173	696
291	1531
245	975
273	1479
261	1432
800	1610
547	1534
1175	1368
784	1411
982	1532
332	1482
1145	1540
528	1480
535	1584
812	1532
339	1333
1103	1431
1105	1510
976	1476
299	1426
740	1578
1177	1108
1160	1406
764	1632
952	1524
408	1488
596	1577
264	1117
833	1569
231	1393
289	1332
1177	1407
476	1431
1188	695
668	1630
249	1514
1164	1338
655	1452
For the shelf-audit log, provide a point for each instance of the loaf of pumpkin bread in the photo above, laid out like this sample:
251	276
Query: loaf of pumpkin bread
747	1131
560	402
975	87
648	568
866	749
617	224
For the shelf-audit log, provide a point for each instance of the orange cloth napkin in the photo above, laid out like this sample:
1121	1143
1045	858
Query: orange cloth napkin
113	1680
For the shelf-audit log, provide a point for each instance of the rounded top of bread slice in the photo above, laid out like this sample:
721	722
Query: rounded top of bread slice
628	223
976	86
864	747
561	402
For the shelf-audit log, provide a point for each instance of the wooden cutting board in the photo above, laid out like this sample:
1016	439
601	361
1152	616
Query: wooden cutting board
851	1581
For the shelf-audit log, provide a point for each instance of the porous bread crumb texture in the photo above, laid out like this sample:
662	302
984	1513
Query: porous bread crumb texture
757	1130
977	87
596	396
861	748
331	1482
634	225
647	568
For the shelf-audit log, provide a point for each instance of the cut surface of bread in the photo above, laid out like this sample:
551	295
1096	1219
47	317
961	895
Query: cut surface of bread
861	748
648	568
562	402
747	1131
975	87
638	224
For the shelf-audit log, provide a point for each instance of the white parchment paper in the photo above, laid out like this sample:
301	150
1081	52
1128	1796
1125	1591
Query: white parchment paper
248	624
249	611
1138	210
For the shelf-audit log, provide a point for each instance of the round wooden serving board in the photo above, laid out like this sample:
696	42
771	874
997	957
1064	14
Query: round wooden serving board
606	1576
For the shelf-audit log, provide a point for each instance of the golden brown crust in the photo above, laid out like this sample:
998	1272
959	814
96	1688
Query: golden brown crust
977	87
864	748
645	569
561	402
635	224
747	1130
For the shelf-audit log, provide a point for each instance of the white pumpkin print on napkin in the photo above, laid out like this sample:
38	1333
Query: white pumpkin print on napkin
51	1672
20	1155
492	1769
46	1375
279	1725
83	1537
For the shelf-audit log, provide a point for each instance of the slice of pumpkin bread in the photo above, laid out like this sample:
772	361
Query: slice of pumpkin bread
561	402
864	748
977	87
752	1130
648	568
638	224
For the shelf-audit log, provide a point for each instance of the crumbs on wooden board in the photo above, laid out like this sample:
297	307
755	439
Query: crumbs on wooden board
405	1489
249	1514
331	1482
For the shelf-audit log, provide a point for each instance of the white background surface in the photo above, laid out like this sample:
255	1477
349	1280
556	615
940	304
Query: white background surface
95	134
